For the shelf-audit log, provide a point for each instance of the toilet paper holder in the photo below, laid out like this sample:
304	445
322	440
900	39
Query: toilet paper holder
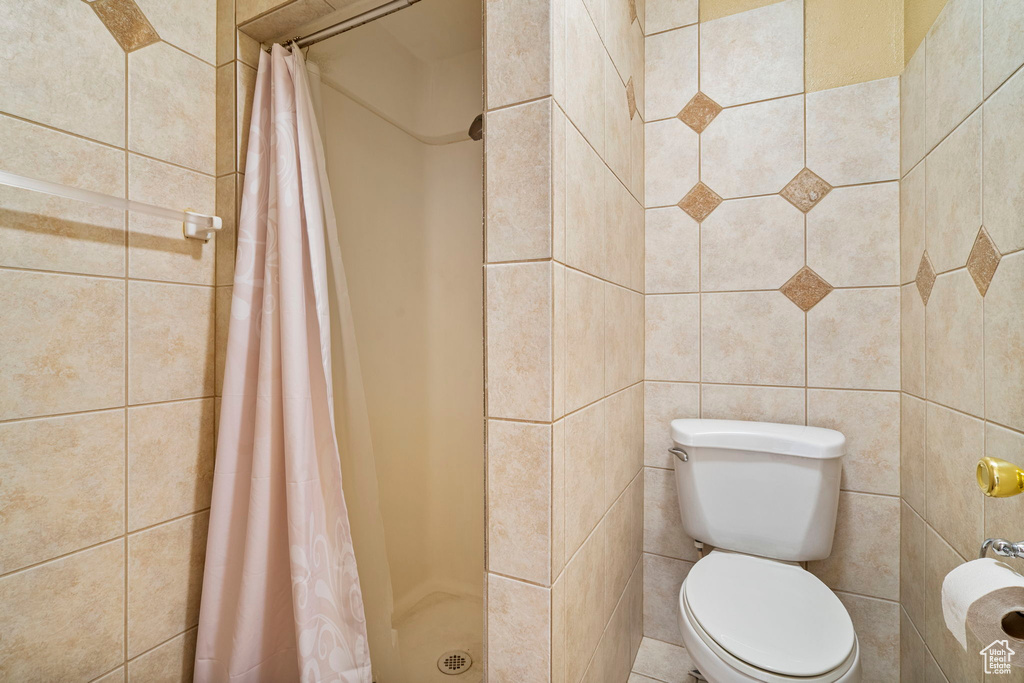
999	478
1000	546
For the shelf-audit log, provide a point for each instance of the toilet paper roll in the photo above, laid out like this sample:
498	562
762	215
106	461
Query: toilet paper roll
987	597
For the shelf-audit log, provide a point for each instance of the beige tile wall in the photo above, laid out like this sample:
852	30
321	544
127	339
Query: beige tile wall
107	413
267	20
963	333
564	175
772	273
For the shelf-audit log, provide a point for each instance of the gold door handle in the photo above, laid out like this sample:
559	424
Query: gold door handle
999	478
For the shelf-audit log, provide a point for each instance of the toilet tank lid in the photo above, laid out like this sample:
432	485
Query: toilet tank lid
765	437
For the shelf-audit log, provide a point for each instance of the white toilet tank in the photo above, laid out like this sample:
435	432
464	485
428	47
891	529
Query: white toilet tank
759	488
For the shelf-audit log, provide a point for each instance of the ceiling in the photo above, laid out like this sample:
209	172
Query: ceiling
437	29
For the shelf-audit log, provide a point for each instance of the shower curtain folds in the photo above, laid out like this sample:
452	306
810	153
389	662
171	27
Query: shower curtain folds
281	597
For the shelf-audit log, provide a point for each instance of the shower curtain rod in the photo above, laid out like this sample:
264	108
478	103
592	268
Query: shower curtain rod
353	22
196	226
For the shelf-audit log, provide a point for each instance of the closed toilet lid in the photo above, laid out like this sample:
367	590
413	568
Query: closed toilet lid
774	616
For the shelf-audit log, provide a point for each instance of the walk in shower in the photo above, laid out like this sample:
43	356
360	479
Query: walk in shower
397	98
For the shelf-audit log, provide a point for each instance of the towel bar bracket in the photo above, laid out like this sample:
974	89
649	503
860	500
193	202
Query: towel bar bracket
1000	546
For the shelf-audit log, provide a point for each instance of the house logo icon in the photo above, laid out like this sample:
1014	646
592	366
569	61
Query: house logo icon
997	657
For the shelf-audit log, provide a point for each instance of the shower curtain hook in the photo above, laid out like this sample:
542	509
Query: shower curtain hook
286	45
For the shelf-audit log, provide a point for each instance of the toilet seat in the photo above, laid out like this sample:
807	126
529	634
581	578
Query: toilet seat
721	667
770	620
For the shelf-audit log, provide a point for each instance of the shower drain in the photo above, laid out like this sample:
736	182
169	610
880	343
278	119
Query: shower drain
454	662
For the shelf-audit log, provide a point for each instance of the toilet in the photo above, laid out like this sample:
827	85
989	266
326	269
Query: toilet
765	497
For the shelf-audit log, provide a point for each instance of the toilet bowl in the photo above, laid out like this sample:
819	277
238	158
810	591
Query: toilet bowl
747	619
765	496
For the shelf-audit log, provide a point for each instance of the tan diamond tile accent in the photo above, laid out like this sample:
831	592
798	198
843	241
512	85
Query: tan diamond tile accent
126	23
700	202
806	289
925	278
632	11
983	261
699	112
806	190
631	98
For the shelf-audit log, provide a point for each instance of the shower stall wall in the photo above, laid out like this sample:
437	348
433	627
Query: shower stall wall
397	98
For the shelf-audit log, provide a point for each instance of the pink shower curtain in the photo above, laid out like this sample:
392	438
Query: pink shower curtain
281	599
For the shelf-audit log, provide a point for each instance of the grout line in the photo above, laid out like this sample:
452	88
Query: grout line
108	145
670	30
700	245
875	494
806	314
903	176
648	675
146	652
601	38
95	141
601	156
164	522
928	649
891	601
775	194
127	327
802	387
110	671
760	291
518	103
899	422
607	625
121	278
186	52
842	489
929	525
984	100
542	259
567	267
981	191
557	365
123	537
597	525
570	413
910	506
513	105
93	411
509	577
669	557
924	332
92	546
956	410
737	106
953	130
485	498
565	414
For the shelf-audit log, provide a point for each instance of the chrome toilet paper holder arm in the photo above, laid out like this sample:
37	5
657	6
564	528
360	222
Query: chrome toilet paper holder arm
1000	546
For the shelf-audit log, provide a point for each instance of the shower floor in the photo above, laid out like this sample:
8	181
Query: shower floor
439	623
